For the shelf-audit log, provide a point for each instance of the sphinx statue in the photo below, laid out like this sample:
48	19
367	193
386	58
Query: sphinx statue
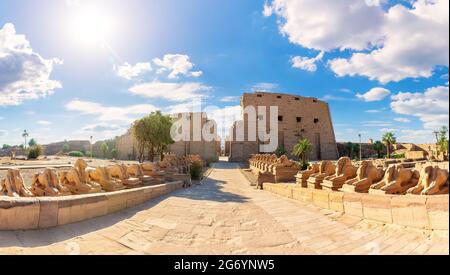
13	185
366	176
135	170
152	169
47	184
433	181
303	176
120	174
326	168
77	180
272	161
101	176
397	180
284	170
344	171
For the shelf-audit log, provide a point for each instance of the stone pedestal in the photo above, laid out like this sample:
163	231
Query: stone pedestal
285	174
334	184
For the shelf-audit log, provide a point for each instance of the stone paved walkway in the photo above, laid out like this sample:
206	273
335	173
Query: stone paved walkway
224	216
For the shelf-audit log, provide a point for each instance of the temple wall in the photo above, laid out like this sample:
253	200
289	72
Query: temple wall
298	117
46	212
423	212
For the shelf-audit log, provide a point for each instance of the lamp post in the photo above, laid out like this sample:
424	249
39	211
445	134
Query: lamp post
360	148
91	146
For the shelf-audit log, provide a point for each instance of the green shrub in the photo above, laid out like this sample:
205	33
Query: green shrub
66	148
76	154
303	166
196	170
34	152
281	151
398	156
114	153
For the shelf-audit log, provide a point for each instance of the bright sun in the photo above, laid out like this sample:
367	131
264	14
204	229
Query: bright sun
91	26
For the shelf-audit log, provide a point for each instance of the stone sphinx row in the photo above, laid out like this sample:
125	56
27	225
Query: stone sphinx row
82	179
367	178
281	169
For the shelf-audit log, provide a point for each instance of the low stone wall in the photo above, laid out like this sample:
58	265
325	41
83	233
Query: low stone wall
424	212
45	212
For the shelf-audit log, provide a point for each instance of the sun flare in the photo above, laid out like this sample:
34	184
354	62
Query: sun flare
91	26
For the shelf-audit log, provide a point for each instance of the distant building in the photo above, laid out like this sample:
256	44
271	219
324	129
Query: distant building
208	150
298	117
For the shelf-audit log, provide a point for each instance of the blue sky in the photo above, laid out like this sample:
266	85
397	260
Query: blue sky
71	69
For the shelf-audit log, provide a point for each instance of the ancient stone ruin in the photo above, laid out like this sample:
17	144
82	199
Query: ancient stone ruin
282	169
14	186
397	180
47	184
81	179
102	176
344	171
433	180
303	176
367	175
326	168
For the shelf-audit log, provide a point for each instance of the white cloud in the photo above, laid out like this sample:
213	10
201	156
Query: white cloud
265	87
327	25
268	10
44	122
129	72
402	120
373	111
171	91
375	94
416	136
3	133
176	64
393	44
102	127
230	99
415	41
305	63
376	123
431	106
106	113
25	75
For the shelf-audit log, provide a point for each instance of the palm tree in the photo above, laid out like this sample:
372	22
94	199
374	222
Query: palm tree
350	147
378	146
25	136
301	149
389	139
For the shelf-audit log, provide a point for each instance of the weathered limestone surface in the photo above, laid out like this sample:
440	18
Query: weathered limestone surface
308	117
433	180
303	176
344	171
47	184
282	169
226	216
397	180
45	212
326	168
13	185
77	179
367	175
424	212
